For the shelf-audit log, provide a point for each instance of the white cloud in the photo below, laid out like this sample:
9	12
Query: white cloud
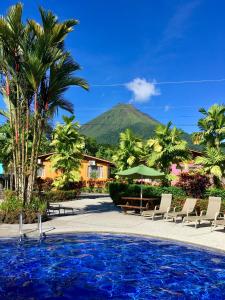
142	89
166	108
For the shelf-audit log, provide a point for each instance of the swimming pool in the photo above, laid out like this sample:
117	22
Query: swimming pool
107	266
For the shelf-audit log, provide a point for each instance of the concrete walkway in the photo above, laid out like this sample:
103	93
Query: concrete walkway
100	215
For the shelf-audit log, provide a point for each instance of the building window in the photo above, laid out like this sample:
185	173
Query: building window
40	171
95	172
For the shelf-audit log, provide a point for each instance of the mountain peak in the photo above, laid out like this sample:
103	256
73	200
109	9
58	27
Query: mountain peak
107	127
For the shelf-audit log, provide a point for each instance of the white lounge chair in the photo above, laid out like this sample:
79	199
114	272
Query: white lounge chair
211	214
187	209
163	208
218	222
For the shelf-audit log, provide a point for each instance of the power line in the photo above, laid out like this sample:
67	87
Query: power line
164	82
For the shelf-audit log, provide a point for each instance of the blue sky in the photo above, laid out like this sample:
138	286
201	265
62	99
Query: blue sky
144	43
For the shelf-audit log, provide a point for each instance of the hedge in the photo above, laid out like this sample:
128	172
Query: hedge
118	190
215	192
60	196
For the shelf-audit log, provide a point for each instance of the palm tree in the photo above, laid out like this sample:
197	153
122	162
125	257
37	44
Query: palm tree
36	71
213	163
166	148
130	151
68	145
212	127
5	145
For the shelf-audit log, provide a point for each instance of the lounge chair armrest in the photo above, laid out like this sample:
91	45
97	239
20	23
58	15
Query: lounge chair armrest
174	209
202	212
156	207
188	212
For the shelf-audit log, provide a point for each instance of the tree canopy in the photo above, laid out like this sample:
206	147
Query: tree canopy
68	147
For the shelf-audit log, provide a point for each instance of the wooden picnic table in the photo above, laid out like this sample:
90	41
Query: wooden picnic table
139	199
140	208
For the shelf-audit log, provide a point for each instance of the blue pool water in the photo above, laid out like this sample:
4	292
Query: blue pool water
106	266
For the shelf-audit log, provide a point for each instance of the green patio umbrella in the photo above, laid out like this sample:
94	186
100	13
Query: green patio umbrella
141	172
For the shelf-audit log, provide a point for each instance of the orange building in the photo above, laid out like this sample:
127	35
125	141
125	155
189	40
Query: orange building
91	168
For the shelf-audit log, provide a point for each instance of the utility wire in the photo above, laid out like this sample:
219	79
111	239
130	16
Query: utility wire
164	82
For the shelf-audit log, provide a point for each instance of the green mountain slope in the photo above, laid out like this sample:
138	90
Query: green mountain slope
107	127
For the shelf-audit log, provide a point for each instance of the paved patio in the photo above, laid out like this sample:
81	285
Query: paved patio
100	215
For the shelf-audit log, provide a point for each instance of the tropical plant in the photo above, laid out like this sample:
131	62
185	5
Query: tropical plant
213	162
130	150
105	152
194	184
91	146
212	127
166	148
68	145
36	70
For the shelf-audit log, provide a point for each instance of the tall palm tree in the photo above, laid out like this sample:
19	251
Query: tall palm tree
130	151
36	71
166	148
212	127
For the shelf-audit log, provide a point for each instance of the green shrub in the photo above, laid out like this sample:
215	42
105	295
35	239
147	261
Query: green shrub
156	191
99	190
12	206
11	203
115	190
60	195
215	192
37	205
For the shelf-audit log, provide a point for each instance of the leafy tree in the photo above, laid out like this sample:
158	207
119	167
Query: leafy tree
105	152
68	148
45	145
166	148
91	146
212	127
36	70
130	151
213	162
